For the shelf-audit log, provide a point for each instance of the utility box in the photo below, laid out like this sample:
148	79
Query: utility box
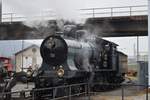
142	73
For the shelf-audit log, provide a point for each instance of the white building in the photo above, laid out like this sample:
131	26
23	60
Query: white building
27	57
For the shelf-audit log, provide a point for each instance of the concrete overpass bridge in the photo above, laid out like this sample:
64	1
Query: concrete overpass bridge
111	22
121	26
118	21
14	27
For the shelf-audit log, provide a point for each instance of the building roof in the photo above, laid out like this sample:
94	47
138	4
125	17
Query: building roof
31	46
5	58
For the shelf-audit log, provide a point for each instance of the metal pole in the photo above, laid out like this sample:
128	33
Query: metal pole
33	95
137	48
11	17
122	91
0	11
69	92
22	53
54	93
130	10
149	41
111	12
86	90
134	50
89	91
147	92
93	12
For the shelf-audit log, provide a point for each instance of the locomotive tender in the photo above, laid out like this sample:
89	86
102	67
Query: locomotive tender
70	61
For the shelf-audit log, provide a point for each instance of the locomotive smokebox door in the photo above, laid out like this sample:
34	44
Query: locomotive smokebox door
54	50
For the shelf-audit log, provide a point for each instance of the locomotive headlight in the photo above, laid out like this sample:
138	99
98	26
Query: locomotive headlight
29	73
60	72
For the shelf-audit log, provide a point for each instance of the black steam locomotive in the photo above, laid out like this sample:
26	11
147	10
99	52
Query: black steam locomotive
70	61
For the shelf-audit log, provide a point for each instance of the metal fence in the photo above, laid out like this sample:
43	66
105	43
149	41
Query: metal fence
115	11
86	94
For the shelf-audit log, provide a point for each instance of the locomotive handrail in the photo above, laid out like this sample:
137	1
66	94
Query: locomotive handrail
81	71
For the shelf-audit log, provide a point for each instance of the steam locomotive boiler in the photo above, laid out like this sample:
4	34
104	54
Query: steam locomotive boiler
70	61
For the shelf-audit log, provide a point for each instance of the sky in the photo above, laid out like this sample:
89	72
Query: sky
69	9
128	45
62	8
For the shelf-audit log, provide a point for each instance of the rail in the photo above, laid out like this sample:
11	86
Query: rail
87	92
115	11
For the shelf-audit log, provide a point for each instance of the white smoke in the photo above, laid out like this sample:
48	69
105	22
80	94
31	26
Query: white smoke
66	9
36	23
97	30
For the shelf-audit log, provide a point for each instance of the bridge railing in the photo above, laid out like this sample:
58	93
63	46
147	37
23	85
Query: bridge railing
115	11
11	17
14	17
